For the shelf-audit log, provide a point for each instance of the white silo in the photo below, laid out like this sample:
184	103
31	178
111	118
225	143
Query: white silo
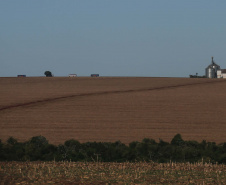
211	70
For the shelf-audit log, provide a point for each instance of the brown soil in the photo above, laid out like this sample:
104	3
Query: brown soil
112	108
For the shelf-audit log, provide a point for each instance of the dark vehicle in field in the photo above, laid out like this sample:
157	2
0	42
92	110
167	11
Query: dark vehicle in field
95	75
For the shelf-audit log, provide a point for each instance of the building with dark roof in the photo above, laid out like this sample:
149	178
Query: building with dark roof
221	73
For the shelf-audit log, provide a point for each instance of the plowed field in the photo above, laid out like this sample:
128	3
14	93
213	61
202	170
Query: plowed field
112	108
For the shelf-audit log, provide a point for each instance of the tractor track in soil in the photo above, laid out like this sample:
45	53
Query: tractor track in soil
102	93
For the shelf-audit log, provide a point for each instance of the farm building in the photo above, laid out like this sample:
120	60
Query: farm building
221	73
21	75
211	70
72	75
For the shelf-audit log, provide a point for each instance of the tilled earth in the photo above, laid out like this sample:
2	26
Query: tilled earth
112	108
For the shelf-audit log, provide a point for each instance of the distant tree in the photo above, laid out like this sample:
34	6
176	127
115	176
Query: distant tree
38	141
48	74
177	140
35	148
11	141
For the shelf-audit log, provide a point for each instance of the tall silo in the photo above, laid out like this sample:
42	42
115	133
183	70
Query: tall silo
211	70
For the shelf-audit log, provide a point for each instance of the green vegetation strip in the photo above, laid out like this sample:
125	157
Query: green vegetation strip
178	150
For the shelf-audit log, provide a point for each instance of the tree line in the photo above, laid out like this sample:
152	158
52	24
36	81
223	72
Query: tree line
178	150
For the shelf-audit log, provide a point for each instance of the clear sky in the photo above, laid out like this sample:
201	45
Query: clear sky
159	38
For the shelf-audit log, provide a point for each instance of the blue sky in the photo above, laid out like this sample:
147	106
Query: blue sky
158	38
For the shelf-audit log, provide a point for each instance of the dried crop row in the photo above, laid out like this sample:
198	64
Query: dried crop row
111	173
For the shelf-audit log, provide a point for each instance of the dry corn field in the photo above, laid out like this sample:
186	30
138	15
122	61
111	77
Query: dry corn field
109	109
111	173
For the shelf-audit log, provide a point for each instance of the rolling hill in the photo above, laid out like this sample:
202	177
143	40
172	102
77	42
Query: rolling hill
112	108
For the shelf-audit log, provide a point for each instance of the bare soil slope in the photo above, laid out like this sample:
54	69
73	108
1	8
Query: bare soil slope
112	108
